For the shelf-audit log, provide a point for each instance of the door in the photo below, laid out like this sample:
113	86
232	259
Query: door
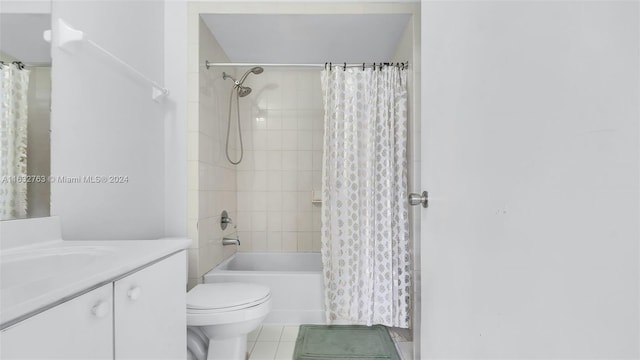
530	156
81	328
150	308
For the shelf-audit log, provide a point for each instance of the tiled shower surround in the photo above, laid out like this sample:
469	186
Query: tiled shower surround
282	167
268	195
212	179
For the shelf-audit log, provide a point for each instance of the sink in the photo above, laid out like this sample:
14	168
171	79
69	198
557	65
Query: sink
34	266
39	276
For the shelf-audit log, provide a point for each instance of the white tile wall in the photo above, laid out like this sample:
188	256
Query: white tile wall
212	180
283	124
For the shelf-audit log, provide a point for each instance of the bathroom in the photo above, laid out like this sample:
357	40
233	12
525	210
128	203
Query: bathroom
532	171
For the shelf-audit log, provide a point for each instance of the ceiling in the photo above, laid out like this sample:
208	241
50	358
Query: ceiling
21	37
308	38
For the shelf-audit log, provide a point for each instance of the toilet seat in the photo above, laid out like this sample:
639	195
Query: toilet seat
226	303
227	309
206	298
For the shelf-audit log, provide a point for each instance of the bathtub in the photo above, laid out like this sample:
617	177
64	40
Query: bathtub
295	280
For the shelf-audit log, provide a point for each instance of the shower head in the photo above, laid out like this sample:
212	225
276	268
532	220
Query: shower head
243	90
255	70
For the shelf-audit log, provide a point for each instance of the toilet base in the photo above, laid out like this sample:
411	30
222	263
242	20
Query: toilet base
225	330
234	348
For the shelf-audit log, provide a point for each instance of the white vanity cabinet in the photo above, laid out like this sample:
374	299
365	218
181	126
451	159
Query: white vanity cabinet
80	328
138	315
150	311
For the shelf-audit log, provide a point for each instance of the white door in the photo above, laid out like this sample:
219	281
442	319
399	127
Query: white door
530	155
81	328
150	308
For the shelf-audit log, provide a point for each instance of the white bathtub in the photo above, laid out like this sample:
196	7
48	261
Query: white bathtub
295	280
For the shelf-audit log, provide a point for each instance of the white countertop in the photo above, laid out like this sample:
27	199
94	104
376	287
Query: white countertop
38	275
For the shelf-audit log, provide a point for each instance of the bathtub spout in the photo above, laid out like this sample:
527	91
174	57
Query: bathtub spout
230	241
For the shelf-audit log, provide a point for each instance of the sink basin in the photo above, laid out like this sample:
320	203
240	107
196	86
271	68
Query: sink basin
37	277
30	267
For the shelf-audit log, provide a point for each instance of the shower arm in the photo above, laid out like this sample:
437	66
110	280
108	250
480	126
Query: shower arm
226	76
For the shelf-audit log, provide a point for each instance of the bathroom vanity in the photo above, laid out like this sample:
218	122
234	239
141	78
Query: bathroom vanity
119	299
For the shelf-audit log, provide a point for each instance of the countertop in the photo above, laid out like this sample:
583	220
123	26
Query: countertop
37	276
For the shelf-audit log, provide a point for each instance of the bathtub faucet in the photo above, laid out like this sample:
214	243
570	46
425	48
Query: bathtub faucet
230	241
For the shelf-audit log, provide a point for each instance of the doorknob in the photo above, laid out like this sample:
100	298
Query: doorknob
417	199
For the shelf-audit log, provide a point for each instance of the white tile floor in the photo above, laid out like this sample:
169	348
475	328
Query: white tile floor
274	342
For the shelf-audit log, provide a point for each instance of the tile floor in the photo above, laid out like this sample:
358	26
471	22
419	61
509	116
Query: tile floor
274	342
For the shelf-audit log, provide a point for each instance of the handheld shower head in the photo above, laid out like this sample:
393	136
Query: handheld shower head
255	70
241	91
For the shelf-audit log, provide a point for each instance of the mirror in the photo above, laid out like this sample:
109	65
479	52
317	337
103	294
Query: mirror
25	109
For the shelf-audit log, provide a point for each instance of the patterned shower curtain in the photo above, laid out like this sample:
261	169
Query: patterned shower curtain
14	85
365	229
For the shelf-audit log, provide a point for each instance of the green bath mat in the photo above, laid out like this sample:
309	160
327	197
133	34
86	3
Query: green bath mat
344	342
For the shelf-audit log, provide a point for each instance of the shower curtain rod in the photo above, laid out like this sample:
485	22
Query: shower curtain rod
209	64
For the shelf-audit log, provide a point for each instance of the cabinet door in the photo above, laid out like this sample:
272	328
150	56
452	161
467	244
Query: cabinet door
150	308
81	328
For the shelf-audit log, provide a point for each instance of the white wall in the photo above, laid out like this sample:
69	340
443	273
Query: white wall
105	123
530	128
25	7
175	147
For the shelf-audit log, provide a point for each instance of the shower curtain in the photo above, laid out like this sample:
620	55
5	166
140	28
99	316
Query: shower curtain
365	229
14	85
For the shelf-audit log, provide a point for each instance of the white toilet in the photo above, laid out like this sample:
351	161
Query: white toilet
219	317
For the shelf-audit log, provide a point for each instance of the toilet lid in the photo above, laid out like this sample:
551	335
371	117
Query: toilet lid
225	295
